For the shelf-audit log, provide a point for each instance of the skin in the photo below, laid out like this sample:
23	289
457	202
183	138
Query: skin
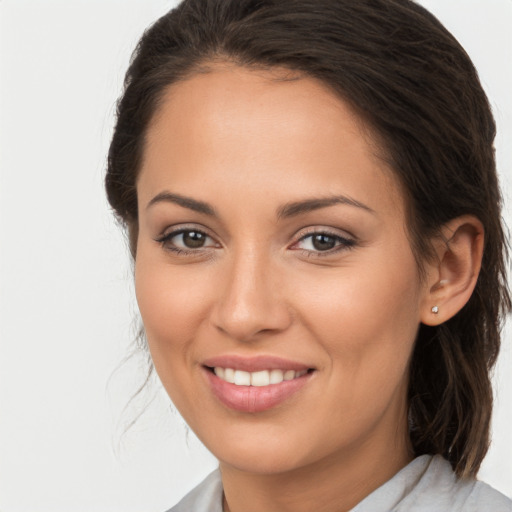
248	145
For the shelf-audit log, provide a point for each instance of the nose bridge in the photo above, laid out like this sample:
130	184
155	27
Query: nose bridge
249	302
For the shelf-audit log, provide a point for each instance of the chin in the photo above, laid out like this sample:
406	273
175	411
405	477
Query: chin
261	462
262	454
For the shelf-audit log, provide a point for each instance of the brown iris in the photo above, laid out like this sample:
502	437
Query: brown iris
323	242
193	239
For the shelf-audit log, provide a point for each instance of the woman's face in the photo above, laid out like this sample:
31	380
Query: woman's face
273	247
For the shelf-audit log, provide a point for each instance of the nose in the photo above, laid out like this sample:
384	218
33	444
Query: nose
251	301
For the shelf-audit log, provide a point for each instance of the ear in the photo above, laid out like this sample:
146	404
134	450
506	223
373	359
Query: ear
452	278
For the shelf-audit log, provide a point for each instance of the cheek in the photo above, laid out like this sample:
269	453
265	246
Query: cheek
172	303
366	318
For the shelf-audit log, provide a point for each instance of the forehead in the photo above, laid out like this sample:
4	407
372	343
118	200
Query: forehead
258	129
270	100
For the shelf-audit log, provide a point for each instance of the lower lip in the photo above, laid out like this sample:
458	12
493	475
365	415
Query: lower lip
254	398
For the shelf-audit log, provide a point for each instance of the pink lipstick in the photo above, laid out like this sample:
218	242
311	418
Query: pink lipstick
254	384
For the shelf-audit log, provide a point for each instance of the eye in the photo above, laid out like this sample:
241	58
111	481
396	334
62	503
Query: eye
186	240
323	242
190	239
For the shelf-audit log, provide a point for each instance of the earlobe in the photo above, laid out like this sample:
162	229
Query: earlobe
452	277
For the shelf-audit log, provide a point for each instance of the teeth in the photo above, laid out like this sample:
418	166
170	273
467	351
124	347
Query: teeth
242	378
276	376
229	375
261	378
289	375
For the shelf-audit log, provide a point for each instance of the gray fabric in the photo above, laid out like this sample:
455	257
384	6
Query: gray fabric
206	497
427	484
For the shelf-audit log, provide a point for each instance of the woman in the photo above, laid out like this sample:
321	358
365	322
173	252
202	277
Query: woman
313	209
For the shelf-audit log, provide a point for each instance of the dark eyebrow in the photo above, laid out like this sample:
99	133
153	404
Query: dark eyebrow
185	202
308	205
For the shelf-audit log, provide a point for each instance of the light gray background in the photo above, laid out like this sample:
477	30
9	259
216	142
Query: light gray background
66	303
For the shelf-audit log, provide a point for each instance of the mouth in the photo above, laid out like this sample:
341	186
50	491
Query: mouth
256	384
259	379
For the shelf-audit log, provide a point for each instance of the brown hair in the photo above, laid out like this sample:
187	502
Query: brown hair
418	91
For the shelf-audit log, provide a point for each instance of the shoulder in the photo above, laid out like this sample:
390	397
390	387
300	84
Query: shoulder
428	483
439	489
206	497
484	497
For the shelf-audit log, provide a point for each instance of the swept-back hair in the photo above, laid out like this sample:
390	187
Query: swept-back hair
419	94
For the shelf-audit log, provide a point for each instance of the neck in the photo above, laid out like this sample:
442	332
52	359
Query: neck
333	484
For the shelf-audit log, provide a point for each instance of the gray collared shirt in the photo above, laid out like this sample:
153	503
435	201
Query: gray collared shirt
427	484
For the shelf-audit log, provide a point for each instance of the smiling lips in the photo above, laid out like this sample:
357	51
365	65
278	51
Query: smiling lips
261	378
256	384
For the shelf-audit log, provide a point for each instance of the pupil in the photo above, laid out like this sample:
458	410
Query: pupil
193	239
323	242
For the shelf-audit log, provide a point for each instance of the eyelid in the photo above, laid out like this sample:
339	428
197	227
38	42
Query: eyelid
345	240
172	231
319	229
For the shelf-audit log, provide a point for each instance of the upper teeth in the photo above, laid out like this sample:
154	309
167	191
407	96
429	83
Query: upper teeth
261	378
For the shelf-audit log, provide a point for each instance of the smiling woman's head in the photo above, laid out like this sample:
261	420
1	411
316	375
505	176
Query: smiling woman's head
363	123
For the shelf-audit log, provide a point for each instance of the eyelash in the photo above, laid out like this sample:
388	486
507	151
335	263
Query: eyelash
165	239
342	243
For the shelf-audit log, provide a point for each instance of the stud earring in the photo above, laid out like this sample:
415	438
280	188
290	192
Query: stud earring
435	310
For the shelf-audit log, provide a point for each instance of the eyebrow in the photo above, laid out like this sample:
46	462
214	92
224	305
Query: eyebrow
185	202
288	210
308	205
